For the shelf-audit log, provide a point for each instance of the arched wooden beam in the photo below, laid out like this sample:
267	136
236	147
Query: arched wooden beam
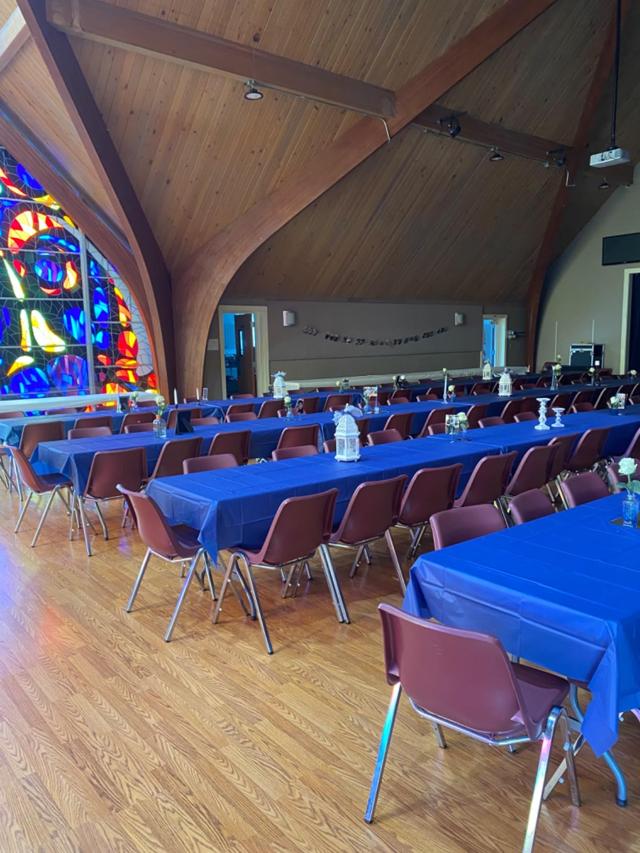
199	285
72	87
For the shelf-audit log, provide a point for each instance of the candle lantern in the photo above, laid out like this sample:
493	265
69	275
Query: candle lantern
505	385
347	435
279	385
487	371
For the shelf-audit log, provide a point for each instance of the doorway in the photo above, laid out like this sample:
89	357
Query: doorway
494	339
244	354
630	337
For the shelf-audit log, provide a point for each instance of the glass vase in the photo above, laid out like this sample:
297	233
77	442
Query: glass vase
159	427
630	508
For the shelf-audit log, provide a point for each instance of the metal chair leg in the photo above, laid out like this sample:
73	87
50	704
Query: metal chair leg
333	584
356	562
103	523
383	749
307	570
207	570
44	515
23	510
260	614
288	579
181	597
138	581
83	524
538	786
394	559
440	740
223	589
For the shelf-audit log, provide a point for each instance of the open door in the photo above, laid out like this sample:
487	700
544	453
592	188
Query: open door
245	353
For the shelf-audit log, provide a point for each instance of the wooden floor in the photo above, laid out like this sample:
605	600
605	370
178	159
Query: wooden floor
112	740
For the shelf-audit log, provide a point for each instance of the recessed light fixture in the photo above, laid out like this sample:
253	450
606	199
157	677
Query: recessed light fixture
604	185
496	156
251	92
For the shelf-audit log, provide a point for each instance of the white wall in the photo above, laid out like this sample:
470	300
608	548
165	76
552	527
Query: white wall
581	290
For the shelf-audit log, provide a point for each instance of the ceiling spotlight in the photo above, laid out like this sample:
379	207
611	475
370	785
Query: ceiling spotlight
496	156
251	93
604	185
451	124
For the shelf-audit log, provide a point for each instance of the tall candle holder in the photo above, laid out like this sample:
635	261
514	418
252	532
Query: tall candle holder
542	414
558	421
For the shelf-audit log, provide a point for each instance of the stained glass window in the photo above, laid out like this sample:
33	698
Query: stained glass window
51	278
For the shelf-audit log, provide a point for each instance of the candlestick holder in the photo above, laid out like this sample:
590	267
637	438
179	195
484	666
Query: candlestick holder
558	413
542	414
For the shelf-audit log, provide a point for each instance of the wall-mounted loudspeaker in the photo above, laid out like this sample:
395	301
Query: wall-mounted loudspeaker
288	318
458	319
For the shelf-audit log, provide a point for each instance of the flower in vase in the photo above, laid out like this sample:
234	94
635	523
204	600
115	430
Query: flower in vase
627	466
287	400
161	403
633	373
614	402
592	370
451	389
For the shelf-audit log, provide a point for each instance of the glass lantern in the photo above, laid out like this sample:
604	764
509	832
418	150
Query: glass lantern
347	438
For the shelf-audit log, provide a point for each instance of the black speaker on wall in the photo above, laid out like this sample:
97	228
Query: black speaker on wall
621	249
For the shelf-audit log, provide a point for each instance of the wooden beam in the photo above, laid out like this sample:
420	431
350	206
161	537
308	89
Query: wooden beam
14	33
199	286
125	28
546	253
106	235
85	116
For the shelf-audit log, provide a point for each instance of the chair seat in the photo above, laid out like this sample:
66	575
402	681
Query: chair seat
187	539
53	480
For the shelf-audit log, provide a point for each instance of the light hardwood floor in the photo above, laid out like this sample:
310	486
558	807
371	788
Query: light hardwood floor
112	740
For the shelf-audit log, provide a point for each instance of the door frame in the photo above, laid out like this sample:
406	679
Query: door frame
501	321
261	348
625	330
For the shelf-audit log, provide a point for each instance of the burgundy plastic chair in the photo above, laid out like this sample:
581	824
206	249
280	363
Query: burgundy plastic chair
135	428
294	452
633	448
235	443
463	680
582	488
37	484
146	404
242	396
173	454
529	404
301	527
485	423
270	408
580	407
603	398
530	505
400	422
383	397
109	468
310	405
466	522
480	388
235	417
511	408
209	463
363	428
372	511
33	434
532	471
435	416
89	432
397	400
588	451
240	408
430	490
561	401
336	401
171	543
329	446
522	417
136	418
488	480
583	397
437	429
564	445
384	436
475	414
6	415
424	398
400	394
208	421
100	421
299	436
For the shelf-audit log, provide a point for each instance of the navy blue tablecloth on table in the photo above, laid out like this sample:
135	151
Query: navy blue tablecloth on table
562	592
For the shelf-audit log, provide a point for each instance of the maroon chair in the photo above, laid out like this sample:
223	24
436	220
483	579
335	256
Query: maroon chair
580	407
464	681
363	428
383	436
89	432
6	415
373	510
588	451
437	429
402	394
480	388
310	405
488	480
242	396
171	543
430	490
100	421
33	434
424	398
301	527
187	400
136	418
485	423
37	484
109	469
400	422
529	404
329	446
397	400
511	408
522	417
135	428
383	397
173	454
270	408
583	397
210	420
527	506
235	417
582	488
235	443
633	448
240	408
294	452
146	404
561	401
603	398
435	416
466	522
336	401
299	436
475	413
209	463
532	471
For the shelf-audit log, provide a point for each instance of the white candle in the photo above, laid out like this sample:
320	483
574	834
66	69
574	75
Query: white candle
175	396
555	346
197	393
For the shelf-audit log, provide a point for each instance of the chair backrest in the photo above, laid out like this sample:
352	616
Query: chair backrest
435	416
530	505
136	418
241	396
153	527
89	432
400	422
521	417
112	467
208	421
494	420
27	473
384	436
299	527
270	408
400	394
436	429
235	443
174	453
461	676
374	508
294	452
310	405
336	401
234	417
488	479
430	490
582	488
239	408
509	410
6	415
583	397
533	470
209	463
299	436
329	446
146	404
529	404
564	445
603	398
133	428
475	413
398	400
633	448
580	407
464	522
588	450
34	434
480	388
423	398
561	401
100	421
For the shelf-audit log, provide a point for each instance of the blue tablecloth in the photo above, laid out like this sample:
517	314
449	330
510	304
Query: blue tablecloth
562	592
